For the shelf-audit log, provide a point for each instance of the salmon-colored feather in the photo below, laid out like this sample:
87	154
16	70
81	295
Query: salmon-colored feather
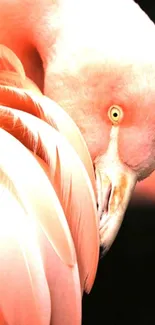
49	111
37	195
13	79
51	189
22	238
63	281
70	181
64	286
8	60
24	292
2	320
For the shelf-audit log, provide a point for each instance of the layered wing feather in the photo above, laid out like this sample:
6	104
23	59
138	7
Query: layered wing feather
53	114
47	181
70	181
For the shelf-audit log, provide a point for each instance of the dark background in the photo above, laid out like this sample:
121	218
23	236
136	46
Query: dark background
124	290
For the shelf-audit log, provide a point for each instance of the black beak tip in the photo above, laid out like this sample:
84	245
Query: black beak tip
103	251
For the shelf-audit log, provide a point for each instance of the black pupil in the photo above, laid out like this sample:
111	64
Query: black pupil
115	114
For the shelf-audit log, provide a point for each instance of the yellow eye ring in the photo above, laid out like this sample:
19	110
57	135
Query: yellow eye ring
115	114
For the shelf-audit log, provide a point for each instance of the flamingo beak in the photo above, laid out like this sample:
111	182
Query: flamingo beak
115	183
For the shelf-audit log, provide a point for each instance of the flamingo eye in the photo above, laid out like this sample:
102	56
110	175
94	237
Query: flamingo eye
115	114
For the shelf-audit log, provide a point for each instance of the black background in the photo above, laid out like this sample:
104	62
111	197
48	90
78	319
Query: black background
124	290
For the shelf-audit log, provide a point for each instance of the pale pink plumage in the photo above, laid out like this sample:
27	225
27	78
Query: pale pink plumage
47	187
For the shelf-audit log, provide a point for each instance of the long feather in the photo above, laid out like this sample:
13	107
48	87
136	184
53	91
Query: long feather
53	114
25	255
8	60
56	181
64	286
70	181
24	293
37	194
63	281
